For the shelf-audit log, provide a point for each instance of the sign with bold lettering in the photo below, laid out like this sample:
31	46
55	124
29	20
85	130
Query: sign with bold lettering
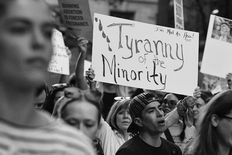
60	59
76	14
179	14
146	56
218	48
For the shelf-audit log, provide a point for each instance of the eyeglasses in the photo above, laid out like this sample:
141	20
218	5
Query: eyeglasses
119	98
227	117
75	93
169	102
59	85
72	92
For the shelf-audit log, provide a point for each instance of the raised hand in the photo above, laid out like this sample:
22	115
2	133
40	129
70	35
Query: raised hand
82	44
197	92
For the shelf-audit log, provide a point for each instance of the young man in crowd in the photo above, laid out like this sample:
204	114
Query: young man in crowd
148	123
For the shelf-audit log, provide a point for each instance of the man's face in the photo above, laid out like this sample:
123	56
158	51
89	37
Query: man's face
153	118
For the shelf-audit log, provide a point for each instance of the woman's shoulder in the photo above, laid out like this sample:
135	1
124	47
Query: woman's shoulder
53	134
60	128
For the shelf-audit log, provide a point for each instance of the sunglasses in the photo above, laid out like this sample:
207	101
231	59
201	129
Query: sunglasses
59	85
119	98
227	117
169	102
75	93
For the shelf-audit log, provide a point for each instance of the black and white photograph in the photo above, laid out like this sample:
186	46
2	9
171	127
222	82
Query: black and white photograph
115	77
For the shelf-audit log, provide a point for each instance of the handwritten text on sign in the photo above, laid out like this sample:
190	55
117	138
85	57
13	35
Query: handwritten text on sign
76	14
60	60
146	56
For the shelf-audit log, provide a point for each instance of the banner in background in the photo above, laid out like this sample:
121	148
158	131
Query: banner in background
146	56
179	14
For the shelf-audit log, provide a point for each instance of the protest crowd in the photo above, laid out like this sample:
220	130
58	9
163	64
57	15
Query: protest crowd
107	108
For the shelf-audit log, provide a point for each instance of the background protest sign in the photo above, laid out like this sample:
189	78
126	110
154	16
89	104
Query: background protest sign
60	59
87	65
76	14
179	14
218	48
146	56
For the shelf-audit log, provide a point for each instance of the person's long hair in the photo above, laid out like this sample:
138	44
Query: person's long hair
208	140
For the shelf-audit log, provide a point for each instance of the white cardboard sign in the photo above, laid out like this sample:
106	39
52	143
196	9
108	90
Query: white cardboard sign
60	60
146	56
218	48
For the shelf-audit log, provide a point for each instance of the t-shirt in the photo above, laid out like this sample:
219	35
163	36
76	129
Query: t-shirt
53	139
136	146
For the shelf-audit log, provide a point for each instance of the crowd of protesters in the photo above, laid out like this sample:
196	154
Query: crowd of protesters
84	117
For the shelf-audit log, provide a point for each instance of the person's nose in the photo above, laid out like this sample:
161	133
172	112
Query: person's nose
77	125
37	39
126	114
195	108
82	127
160	113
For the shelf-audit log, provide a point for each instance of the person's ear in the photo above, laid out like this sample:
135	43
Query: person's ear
214	120
138	121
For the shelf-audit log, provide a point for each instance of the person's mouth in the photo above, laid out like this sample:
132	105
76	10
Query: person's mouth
126	122
37	62
195	113
161	122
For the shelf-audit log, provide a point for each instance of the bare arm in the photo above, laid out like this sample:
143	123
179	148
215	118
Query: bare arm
79	68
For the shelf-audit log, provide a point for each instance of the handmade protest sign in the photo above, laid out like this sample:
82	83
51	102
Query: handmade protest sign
76	14
87	65
146	56
218	48
179	14
60	60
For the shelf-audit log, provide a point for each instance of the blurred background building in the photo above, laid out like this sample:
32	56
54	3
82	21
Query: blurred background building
160	12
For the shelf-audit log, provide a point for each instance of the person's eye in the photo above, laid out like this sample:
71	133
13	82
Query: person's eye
89	125
72	122
172	103
198	105
150	111
121	112
47	33
19	29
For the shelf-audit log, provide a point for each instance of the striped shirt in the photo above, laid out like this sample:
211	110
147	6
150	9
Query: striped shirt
54	139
